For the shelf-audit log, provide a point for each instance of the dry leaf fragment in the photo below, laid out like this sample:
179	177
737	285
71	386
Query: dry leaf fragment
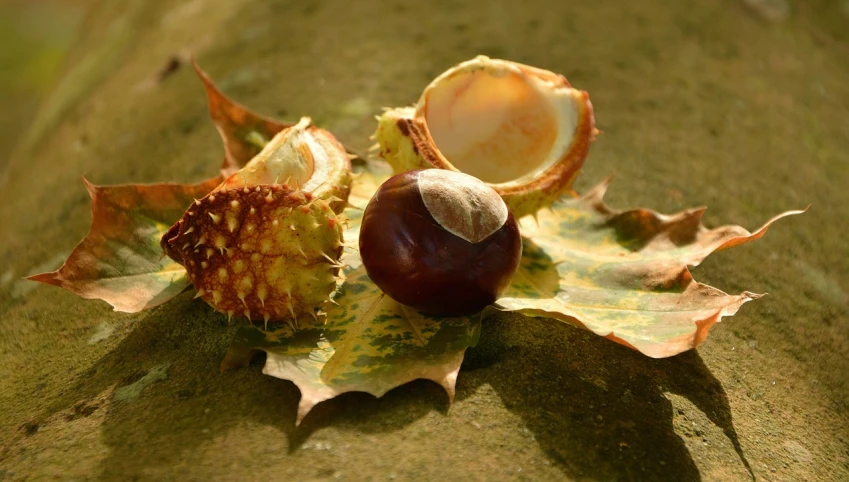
120	260
243	131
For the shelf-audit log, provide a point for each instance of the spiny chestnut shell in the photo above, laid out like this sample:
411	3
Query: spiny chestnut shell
419	263
267	253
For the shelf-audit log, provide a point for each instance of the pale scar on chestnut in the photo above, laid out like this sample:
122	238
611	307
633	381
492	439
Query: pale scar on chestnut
461	204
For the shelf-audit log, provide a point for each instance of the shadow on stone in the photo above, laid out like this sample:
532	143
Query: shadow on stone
596	408
363	413
165	398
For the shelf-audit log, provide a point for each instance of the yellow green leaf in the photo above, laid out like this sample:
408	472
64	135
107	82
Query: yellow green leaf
624	274
369	343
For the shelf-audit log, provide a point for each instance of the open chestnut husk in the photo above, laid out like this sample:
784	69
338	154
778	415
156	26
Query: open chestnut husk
440	241
524	131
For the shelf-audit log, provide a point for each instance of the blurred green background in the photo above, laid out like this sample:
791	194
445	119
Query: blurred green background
34	37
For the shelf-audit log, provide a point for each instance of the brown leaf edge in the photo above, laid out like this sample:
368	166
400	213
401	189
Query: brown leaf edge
113	210
723	237
243	131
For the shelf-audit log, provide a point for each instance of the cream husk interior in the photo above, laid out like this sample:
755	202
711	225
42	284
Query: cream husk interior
290	157
490	119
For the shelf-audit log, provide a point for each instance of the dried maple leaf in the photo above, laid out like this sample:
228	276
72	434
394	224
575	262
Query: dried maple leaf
624	274
120	260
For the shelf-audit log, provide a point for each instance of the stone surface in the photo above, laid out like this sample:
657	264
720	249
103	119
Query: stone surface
699	104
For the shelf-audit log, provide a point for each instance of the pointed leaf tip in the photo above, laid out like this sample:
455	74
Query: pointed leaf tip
760	232
89	186
595	196
49	278
304	408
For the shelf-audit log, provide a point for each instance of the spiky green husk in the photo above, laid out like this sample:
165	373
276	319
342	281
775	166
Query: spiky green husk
268	253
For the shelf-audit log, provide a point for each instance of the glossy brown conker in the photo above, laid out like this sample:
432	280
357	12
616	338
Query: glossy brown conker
440	241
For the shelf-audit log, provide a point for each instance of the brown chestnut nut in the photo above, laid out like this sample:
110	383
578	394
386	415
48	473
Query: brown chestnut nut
440	241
